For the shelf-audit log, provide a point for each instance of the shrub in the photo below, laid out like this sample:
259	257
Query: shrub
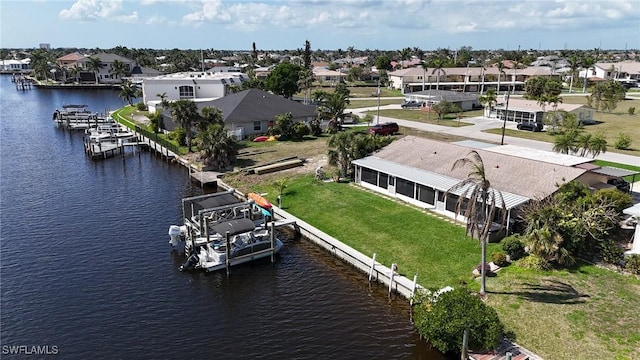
632	264
632	110
141	106
535	262
179	135
513	246
299	130
611	252
443	319
623	141
499	258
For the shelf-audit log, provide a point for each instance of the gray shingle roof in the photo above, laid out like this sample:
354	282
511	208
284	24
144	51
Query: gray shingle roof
255	105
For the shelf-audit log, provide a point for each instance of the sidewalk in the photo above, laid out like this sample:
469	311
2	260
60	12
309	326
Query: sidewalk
482	123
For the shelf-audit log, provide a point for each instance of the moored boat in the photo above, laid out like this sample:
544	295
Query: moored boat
220	230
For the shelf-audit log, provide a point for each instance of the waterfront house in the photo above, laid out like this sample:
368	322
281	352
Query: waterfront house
419	171
196	86
13	66
252	112
105	74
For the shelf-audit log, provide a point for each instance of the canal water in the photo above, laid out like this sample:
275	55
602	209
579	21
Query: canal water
86	271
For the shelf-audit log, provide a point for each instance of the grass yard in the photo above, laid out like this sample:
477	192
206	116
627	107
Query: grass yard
435	249
421	116
583	313
355	104
610	125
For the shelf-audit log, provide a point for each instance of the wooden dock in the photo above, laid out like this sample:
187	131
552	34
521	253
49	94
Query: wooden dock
205	178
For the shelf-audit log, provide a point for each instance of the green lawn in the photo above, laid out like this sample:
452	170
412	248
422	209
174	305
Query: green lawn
421	116
354	104
585	313
435	249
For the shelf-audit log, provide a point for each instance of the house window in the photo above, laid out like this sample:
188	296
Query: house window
369	176
186	92
426	194
405	187
383	181
257	125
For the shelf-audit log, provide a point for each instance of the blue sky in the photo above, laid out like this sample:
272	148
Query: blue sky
327	24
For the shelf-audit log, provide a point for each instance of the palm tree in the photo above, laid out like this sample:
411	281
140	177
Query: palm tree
500	67
155	121
339	151
597	145
438	65
75	71
583	143
94	64
217	148
588	64
331	107
425	68
210	115
119	69
305	82
478	202
489	98
565	143
405	54
574	65
127	92
185	114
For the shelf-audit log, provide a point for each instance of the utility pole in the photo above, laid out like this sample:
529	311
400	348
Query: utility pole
378	116
506	113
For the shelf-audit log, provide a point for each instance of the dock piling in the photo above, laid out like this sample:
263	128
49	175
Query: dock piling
373	265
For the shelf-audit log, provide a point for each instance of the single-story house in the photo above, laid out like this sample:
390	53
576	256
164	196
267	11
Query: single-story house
325	75
419	171
253	111
15	66
523	110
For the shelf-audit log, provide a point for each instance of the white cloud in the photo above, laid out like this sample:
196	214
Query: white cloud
87	10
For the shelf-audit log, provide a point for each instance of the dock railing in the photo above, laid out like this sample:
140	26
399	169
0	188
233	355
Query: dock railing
368	265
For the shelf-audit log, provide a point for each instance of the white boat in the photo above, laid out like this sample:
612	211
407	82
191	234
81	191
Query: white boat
74	112
109	131
220	231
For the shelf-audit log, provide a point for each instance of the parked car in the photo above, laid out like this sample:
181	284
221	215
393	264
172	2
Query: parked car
530	125
384	129
620	184
412	104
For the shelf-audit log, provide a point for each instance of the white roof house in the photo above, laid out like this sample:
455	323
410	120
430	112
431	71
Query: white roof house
12	66
195	86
